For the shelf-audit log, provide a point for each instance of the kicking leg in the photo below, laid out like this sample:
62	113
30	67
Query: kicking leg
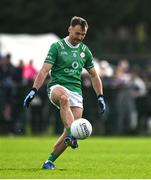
60	146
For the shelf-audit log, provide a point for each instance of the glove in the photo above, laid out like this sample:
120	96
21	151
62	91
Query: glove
102	103
30	96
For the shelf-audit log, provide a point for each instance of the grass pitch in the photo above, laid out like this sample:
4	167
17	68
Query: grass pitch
97	157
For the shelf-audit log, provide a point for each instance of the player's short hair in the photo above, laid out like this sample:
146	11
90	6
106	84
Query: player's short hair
78	21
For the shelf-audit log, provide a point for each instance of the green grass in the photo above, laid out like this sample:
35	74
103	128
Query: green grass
101	157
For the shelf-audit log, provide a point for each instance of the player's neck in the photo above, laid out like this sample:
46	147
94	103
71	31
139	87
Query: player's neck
70	43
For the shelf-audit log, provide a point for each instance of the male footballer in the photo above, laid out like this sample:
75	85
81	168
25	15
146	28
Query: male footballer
64	62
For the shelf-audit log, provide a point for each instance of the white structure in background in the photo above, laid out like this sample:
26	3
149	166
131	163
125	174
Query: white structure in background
27	47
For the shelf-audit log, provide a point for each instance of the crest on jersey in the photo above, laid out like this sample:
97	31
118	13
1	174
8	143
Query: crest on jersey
74	54
82	54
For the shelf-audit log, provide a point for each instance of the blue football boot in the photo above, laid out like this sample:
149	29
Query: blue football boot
71	141
48	165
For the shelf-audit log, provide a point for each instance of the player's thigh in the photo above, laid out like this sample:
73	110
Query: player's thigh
77	112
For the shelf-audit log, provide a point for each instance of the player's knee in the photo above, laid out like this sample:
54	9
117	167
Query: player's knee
64	100
56	94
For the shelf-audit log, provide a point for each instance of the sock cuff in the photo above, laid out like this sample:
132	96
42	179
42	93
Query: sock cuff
68	130
53	157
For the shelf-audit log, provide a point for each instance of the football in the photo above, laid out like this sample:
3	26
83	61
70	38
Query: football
81	128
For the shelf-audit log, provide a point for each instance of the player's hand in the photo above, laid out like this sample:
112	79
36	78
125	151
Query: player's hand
102	103
30	96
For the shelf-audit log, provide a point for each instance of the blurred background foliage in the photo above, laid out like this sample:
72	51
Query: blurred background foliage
32	16
111	22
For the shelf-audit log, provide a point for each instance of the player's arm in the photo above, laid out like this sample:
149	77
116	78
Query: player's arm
96	81
42	75
37	83
98	87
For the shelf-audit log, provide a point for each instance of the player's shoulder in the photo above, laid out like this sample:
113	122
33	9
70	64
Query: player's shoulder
84	47
59	44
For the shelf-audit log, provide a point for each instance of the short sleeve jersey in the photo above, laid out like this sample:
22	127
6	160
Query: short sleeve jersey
68	63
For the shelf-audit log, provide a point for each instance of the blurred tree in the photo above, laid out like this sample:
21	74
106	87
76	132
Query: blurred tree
32	16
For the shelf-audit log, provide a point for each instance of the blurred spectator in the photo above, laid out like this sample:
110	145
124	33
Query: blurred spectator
139	92
6	78
18	74
144	127
110	116
124	101
105	69
36	119
29	72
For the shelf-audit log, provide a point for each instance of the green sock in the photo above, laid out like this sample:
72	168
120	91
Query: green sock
68	130
53	157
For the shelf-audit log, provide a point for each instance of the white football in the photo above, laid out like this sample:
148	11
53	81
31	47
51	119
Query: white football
81	128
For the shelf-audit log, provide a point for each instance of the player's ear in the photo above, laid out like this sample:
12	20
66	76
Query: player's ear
69	29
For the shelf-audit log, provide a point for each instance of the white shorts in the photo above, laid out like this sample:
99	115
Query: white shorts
75	99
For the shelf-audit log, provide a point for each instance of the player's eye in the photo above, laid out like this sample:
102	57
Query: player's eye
78	33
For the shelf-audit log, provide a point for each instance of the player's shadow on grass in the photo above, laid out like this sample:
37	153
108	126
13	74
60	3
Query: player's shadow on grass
28	169
62	169
17	169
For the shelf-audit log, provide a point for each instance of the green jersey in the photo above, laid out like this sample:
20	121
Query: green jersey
68	62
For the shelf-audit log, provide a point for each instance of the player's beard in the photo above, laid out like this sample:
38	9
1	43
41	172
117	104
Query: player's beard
77	41
74	41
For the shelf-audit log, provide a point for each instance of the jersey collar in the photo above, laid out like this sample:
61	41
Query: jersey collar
66	39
